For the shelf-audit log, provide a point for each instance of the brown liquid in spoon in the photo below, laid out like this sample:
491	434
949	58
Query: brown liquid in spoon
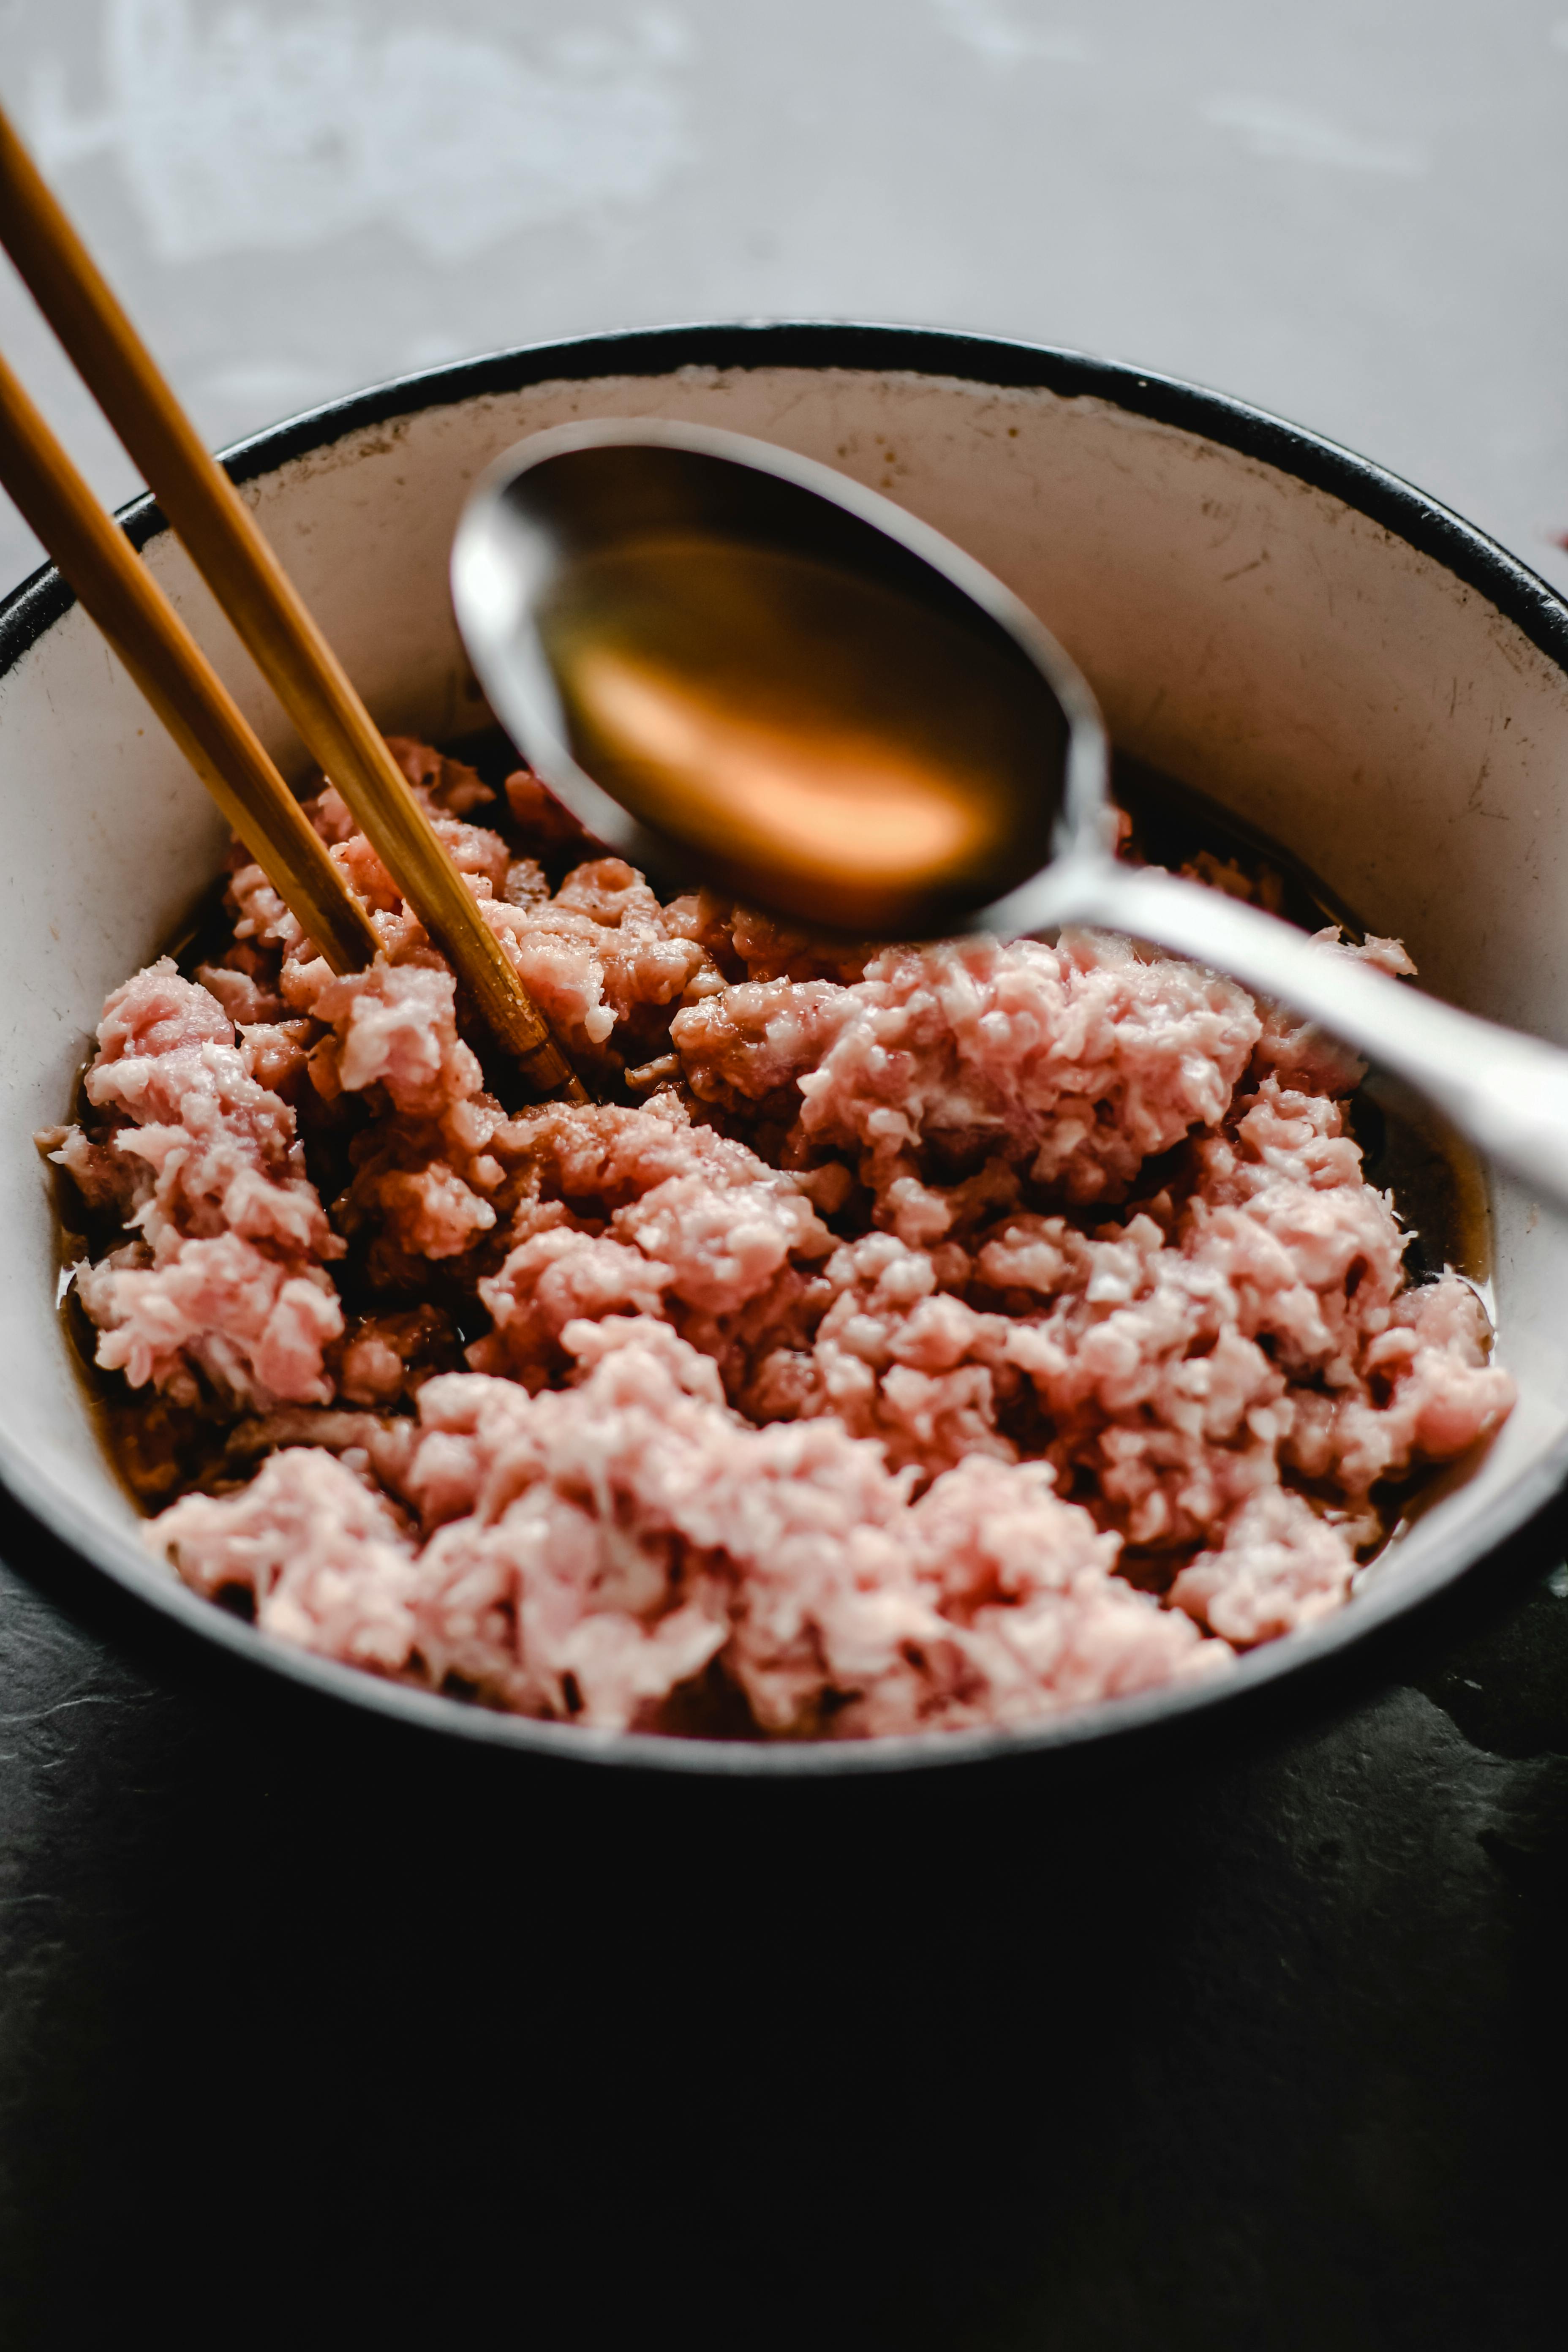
903	772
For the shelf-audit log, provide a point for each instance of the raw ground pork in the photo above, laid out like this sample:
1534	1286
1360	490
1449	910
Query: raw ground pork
957	1334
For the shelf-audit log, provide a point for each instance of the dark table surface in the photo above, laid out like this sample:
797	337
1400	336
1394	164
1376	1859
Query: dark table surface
312	2024
309	2026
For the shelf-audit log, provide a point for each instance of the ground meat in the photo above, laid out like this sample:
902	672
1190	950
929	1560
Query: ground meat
600	959
963	1332
1075	1063
580	1553
227	1275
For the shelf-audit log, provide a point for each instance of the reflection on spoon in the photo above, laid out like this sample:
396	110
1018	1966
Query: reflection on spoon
830	778
786	790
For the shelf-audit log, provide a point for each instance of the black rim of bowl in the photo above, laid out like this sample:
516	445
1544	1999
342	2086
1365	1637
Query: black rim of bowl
1111	1726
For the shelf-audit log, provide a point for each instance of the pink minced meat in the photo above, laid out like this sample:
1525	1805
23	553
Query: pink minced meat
585	1551
226	1274
970	1331
1074	1064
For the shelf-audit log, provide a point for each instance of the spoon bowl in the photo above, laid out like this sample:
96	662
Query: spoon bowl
725	657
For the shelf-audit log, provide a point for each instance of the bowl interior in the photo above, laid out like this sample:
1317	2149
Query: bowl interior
1246	632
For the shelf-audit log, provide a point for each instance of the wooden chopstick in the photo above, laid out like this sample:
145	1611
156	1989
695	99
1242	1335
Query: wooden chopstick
266	609
177	679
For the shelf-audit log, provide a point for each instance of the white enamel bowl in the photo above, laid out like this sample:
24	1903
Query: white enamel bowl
1262	615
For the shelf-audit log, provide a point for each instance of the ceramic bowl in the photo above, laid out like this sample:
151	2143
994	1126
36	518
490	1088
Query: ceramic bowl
1313	644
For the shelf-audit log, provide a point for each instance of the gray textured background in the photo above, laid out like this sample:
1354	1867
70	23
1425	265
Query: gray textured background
1351	213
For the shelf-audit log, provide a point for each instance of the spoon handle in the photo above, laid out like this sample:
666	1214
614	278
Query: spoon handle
1508	1093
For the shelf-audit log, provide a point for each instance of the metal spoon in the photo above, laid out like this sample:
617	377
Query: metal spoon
738	666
